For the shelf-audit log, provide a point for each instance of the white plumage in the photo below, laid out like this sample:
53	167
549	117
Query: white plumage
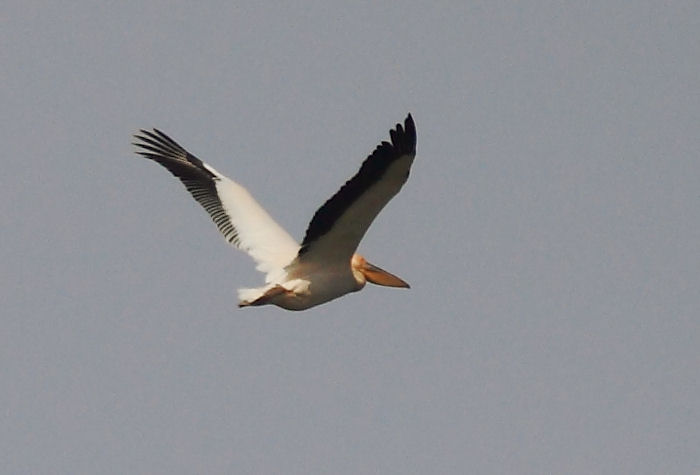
325	265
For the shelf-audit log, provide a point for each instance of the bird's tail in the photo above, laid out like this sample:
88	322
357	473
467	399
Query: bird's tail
263	296
247	297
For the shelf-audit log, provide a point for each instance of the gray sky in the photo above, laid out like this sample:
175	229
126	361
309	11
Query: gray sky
550	231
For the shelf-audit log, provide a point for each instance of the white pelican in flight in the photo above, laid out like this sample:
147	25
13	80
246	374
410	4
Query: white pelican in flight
324	266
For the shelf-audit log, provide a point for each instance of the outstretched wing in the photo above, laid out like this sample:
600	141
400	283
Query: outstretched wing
338	226
242	221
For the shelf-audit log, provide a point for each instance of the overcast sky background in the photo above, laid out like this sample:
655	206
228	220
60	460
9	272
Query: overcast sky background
550	231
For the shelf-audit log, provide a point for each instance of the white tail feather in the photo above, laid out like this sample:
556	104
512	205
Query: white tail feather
246	296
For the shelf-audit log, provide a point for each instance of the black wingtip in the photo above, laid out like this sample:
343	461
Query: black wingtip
156	142
403	143
409	125
403	137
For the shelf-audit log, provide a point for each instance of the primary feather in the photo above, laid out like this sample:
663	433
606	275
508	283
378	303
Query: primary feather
242	221
324	266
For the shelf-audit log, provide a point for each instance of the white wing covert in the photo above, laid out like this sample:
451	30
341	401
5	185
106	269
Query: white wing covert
338	226
239	217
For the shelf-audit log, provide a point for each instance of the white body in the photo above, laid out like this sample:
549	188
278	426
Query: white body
325	265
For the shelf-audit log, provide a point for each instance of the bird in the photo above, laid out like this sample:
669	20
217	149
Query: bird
325	265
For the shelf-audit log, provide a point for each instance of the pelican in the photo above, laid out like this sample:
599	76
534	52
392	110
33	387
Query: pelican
325	265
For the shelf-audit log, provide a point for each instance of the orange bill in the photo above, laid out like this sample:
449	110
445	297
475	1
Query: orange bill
381	277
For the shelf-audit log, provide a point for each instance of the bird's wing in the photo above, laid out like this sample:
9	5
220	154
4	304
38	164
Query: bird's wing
338	226
242	221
